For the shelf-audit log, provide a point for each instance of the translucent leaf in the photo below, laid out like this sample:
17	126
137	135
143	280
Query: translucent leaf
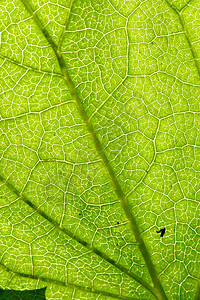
100	148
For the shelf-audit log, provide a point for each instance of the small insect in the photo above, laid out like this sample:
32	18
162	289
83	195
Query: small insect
161	231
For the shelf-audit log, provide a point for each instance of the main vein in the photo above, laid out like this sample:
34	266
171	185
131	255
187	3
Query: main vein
194	54
158	289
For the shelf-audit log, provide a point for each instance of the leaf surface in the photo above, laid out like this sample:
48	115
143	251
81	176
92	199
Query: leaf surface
100	148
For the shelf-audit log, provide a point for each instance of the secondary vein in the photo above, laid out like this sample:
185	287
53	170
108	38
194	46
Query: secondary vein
47	280
74	237
66	24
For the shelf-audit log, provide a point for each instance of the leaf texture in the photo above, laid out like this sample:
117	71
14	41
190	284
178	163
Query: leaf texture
100	148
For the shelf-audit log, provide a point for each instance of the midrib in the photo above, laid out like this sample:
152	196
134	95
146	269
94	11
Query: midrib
158	290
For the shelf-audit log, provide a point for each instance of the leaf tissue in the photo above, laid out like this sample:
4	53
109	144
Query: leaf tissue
100	148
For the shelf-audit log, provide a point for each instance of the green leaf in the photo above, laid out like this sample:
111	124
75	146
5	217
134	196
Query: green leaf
23	295
100	148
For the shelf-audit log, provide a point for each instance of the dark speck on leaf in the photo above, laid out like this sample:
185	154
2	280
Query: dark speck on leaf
161	231
117	222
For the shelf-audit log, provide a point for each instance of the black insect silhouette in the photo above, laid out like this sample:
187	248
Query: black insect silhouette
161	231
